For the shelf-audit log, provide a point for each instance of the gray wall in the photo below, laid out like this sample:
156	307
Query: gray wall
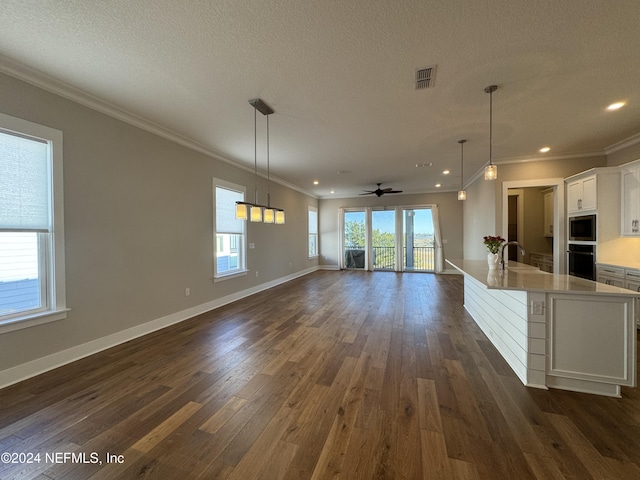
449	209
138	225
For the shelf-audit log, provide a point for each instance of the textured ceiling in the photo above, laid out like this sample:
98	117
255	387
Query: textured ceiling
339	76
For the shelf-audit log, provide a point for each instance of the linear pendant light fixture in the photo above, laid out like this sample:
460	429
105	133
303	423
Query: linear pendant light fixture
462	195
491	170
255	211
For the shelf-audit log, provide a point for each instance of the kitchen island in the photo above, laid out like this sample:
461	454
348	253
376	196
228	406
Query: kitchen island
555	331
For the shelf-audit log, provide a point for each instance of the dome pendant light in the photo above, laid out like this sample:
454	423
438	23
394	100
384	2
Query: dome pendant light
462	195
491	170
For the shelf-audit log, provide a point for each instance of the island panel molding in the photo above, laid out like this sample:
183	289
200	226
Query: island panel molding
554	331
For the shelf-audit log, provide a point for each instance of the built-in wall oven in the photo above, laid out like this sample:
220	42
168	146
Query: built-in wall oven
582	260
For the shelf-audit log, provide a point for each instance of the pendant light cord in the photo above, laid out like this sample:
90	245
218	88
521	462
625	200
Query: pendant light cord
461	142
490	89
268	169
255	151
490	127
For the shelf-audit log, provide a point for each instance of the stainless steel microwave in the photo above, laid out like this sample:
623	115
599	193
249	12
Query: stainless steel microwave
583	228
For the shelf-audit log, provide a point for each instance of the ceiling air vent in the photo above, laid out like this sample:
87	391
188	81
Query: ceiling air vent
425	77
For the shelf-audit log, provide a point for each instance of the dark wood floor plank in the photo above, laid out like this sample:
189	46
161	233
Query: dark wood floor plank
353	375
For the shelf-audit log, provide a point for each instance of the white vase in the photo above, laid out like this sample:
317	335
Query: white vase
493	260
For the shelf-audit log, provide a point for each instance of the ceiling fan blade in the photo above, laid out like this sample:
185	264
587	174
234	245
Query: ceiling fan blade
380	191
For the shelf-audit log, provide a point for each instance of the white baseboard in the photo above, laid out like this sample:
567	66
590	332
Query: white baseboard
328	267
36	367
447	271
450	271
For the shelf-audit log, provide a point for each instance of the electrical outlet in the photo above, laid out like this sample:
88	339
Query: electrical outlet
256	273
537	307
187	292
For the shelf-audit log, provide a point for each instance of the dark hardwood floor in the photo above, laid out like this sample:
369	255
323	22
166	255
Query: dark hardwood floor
334	375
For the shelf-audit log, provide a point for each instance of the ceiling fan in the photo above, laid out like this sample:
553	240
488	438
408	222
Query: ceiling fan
381	191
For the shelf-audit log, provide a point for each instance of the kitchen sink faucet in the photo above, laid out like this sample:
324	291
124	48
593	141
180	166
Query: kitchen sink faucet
502	267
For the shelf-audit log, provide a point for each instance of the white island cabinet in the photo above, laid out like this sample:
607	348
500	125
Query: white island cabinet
555	331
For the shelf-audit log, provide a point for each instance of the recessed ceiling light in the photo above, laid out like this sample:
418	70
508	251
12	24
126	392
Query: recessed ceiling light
316	182
616	106
545	149
438	185
332	191
446	172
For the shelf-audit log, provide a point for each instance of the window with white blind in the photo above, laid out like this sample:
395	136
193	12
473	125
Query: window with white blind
32	286
230	238
313	232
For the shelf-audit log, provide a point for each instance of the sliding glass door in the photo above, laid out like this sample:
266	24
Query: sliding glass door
396	239
354	239
383	239
418	240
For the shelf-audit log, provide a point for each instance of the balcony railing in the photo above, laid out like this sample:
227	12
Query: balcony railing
423	259
384	258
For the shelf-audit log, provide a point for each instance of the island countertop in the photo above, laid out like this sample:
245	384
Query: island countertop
520	276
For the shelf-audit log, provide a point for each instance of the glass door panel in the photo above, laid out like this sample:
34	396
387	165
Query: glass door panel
383	239
354	240
418	245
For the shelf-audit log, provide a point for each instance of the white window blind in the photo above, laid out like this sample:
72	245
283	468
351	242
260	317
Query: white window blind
24	184
313	232
226	221
313	222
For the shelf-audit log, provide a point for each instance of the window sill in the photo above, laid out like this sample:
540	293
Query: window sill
221	278
311	257
26	321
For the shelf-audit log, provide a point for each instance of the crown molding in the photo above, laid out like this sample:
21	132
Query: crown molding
548	158
528	159
628	142
41	80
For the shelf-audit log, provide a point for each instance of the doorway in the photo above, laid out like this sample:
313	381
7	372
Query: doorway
515	225
536	214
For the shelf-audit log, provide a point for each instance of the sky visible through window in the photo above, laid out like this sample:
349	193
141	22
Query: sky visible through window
385	219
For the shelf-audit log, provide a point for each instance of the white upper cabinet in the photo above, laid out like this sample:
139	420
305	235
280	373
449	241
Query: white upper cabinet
597	192
582	195
630	206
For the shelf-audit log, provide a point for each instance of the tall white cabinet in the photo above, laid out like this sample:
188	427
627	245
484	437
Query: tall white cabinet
630	218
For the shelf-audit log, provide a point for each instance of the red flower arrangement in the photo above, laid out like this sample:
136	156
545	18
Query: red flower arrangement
493	243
